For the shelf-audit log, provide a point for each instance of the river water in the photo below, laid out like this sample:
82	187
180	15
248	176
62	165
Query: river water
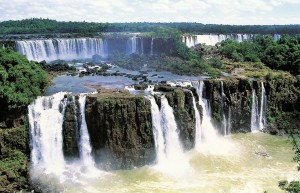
255	163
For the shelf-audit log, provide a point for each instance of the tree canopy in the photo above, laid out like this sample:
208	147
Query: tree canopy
39	25
20	80
283	54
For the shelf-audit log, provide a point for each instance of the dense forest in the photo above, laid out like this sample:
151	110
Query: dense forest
44	26
21	81
283	54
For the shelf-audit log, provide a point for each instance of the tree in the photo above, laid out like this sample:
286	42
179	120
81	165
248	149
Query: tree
20	80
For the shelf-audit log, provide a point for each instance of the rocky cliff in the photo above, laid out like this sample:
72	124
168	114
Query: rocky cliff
283	104
71	125
120	130
283	113
14	150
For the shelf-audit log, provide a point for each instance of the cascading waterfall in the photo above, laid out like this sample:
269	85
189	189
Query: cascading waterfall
213	39
208	131
198	135
151	48
263	107
142	45
173	147
157	131
254	113
226	122
85	146
46	116
61	48
210	141
169	153
132	45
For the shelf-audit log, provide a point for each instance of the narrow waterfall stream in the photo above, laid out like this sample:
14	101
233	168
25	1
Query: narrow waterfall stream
198	135
263	107
254	113
157	132
85	146
224	120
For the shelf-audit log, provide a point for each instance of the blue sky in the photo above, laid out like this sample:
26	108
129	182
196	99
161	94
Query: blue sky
202	11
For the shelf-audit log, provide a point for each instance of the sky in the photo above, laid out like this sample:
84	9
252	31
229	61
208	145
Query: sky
237	12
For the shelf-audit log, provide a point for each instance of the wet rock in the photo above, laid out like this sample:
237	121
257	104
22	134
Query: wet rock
120	130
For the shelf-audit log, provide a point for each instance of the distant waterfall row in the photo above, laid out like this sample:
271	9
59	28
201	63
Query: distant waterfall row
81	48
213	39
64	49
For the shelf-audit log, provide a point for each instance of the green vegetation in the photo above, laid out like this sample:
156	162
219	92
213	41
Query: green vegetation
35	25
13	158
283	54
20	80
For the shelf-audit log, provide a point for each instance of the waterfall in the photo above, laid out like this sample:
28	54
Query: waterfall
61	48
198	135
151	48
157	131
131	47
213	39
226	122
142	46
46	116
263	107
45	128
254	112
208	131
173	147
170	157
84	141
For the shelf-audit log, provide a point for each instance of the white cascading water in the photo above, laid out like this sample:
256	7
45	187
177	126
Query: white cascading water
263	107
84	142
151	48
142	46
132	45
61	48
46	115
157	131
173	146
254	113
213	39
169	153
198	135
224	121
211	141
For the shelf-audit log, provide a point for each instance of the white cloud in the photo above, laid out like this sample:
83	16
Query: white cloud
205	11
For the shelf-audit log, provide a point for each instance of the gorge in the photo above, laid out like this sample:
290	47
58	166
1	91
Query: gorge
117	130
160	133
